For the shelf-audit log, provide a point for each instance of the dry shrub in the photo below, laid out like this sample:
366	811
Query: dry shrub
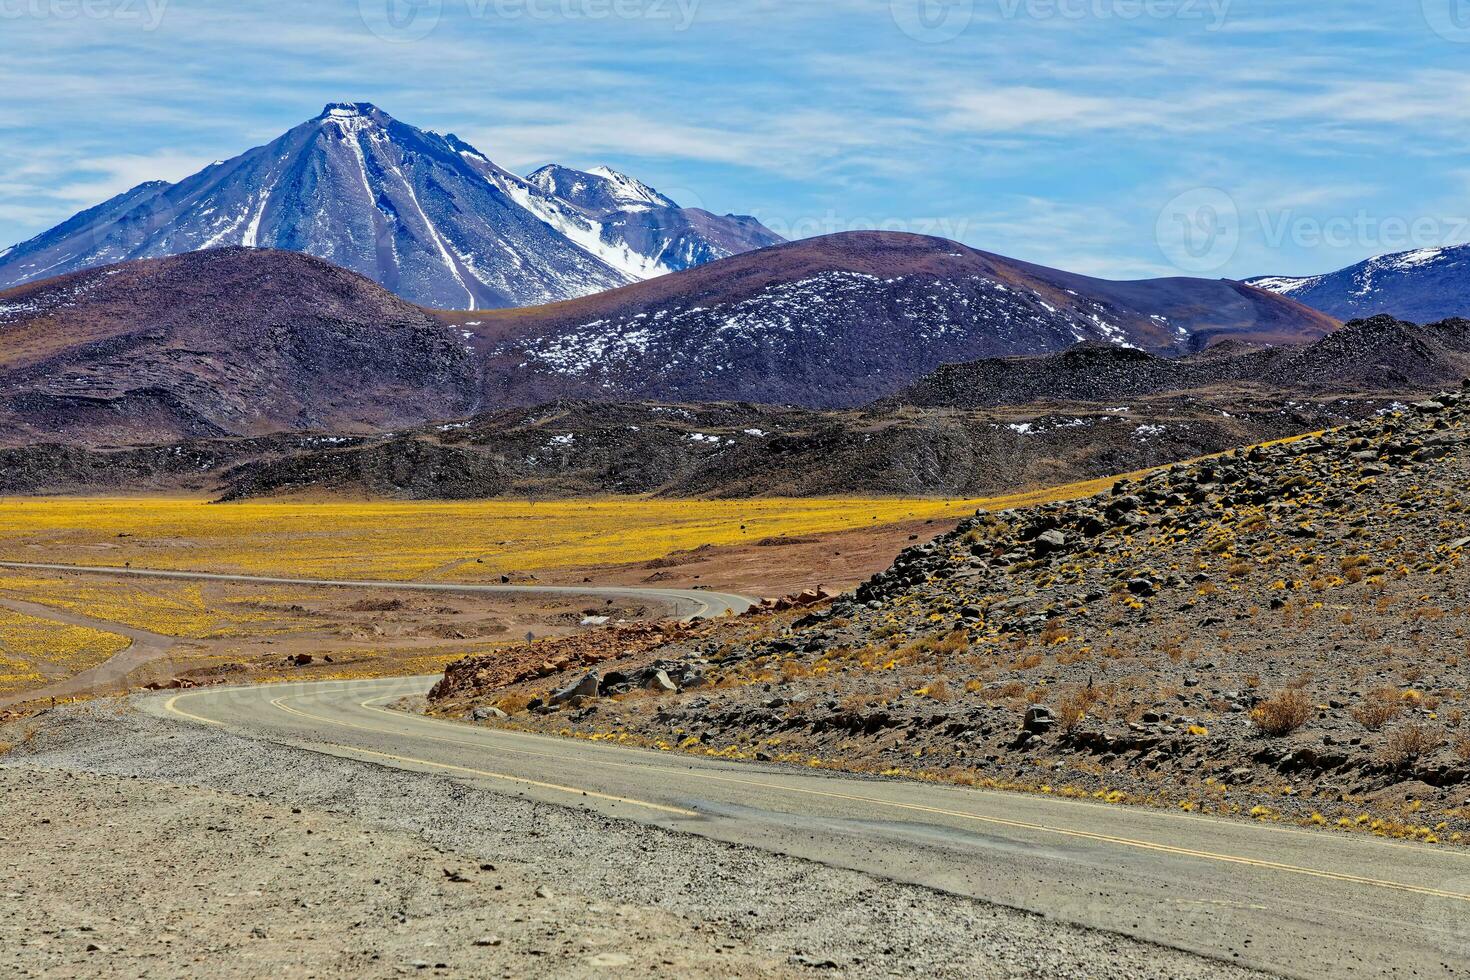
1462	748
1378	707
1007	691
1074	704
1282	713
939	690
513	704
1411	743
1300	682
1054	633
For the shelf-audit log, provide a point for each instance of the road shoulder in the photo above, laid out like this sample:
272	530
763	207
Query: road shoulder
736	911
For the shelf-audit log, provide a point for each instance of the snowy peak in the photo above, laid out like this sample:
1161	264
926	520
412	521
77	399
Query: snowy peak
428	216
1423	285
598	191
631	192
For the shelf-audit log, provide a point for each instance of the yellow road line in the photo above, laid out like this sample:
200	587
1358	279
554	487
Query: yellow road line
1193	818
875	801
1016	824
557	787
172	705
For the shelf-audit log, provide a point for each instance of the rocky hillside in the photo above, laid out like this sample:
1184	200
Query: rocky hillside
426	215
1378	354
1277	633
839	321
1425	284
223	342
737	450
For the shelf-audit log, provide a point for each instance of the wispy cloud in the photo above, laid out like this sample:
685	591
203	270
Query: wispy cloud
1057	138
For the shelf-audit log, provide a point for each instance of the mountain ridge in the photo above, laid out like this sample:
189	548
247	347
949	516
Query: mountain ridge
1422	285
175	347
426	215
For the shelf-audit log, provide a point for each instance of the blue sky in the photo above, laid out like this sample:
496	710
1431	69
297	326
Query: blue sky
1123	138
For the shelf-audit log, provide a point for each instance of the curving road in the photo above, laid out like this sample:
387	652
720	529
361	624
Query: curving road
684	603
1297	902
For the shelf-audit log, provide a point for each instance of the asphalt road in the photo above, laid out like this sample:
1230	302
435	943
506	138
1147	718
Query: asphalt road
1294	901
684	603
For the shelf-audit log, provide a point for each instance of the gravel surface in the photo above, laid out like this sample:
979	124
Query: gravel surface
357	884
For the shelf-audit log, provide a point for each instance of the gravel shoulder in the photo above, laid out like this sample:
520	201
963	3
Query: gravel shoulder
226	856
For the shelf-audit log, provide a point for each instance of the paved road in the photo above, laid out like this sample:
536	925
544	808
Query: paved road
1297	902
685	603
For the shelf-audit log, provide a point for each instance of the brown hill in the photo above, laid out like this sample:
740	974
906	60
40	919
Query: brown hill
1379	355
243	342
229	341
842	320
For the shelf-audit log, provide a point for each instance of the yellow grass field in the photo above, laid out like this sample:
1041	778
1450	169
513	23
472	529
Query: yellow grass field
468	541
178	609
33	650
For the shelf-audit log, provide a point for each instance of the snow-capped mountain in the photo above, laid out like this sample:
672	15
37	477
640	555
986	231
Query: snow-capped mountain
1424	286
841	320
428	216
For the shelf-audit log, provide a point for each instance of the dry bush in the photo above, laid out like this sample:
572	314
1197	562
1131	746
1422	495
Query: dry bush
1282	713
1378	707
1411	743
1300	682
1054	633
1006	692
939	690
1074	704
1462	748
513	704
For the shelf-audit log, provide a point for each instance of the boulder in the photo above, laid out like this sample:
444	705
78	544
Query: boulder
659	681
1039	720
585	688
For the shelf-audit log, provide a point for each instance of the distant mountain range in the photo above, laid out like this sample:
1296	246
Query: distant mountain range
427	216
243	341
1379	354
1423	285
842	320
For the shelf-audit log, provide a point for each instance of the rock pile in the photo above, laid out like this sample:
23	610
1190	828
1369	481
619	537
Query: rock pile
1284	626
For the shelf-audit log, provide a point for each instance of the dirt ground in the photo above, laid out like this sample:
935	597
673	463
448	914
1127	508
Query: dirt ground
227	856
204	883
